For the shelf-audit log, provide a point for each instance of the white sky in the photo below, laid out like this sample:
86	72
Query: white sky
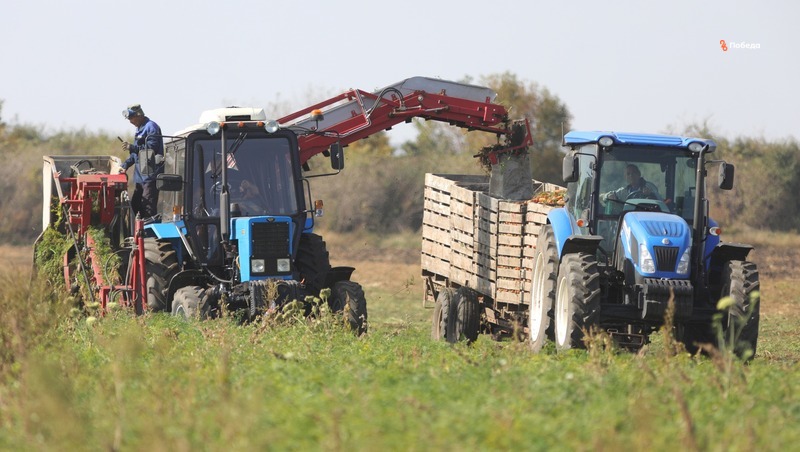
636	66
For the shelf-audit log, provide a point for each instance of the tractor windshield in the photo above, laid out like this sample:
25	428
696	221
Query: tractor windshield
643	178
259	175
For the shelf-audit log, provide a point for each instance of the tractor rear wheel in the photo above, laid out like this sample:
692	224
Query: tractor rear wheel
348	298
577	305
191	302
441	314
543	289
740	282
161	264
465	322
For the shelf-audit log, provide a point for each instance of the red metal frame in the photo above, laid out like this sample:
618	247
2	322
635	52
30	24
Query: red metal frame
104	189
387	112
84	190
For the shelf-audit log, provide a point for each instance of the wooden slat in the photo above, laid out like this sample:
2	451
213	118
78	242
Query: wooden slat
510	228
512	207
507	261
506	296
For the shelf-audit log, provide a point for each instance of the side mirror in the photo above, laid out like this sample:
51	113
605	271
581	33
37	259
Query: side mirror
337	156
569	168
726	176
169	182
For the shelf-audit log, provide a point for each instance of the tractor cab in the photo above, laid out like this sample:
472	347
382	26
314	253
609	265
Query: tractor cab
617	174
232	188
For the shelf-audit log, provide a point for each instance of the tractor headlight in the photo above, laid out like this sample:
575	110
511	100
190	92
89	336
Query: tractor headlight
646	262
213	127
606	141
683	264
271	126
696	146
258	266
284	265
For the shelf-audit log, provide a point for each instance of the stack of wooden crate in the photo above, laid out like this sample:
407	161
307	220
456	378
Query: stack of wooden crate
472	239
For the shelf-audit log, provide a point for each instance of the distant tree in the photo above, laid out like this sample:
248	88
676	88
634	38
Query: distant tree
373	146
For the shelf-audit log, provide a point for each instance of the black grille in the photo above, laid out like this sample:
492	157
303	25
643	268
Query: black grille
270	240
666	258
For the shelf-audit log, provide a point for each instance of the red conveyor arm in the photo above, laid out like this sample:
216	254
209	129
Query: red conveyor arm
357	114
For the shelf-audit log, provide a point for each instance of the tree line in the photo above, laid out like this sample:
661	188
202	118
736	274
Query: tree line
381	188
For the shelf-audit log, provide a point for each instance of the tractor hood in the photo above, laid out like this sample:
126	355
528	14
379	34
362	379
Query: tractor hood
658	244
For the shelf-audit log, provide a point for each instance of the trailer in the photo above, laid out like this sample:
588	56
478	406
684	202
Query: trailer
632	249
477	255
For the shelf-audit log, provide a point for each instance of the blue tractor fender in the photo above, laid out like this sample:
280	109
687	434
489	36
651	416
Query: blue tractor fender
168	231
711	243
308	227
569	238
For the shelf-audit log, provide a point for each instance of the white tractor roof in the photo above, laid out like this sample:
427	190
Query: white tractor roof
226	114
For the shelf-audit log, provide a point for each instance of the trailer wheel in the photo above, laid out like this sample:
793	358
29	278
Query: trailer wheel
577	305
348	298
465	318
313	261
441	314
161	264
191	302
543	289
740	282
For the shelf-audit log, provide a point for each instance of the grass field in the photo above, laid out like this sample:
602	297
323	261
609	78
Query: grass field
155	383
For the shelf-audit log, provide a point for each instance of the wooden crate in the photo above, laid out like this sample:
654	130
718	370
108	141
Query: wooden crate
475	240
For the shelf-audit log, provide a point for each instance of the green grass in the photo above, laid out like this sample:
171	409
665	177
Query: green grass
157	383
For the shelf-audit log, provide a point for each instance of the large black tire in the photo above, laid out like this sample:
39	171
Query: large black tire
577	304
348	298
740	282
313	261
161	264
465	318
191	302
441	314
543	289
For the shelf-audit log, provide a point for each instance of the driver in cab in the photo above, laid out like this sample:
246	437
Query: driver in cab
637	187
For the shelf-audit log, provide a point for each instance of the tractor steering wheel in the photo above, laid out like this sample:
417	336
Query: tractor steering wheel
639	194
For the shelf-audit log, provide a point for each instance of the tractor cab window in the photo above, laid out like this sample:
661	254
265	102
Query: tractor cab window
633	178
579	194
260	178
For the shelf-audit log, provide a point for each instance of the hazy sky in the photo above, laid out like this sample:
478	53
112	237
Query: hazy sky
618	65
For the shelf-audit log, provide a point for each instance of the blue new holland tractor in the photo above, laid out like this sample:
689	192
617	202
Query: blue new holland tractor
634	247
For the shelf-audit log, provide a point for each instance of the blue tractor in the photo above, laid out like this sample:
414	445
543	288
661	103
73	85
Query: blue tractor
236	225
634	247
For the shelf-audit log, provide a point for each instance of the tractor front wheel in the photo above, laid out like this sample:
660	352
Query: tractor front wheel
740	282
191	302
348	298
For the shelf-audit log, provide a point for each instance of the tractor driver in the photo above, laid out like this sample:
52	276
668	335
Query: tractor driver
637	187
249	198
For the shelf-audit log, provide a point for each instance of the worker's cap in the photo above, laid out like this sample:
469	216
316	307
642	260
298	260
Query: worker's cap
133	110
